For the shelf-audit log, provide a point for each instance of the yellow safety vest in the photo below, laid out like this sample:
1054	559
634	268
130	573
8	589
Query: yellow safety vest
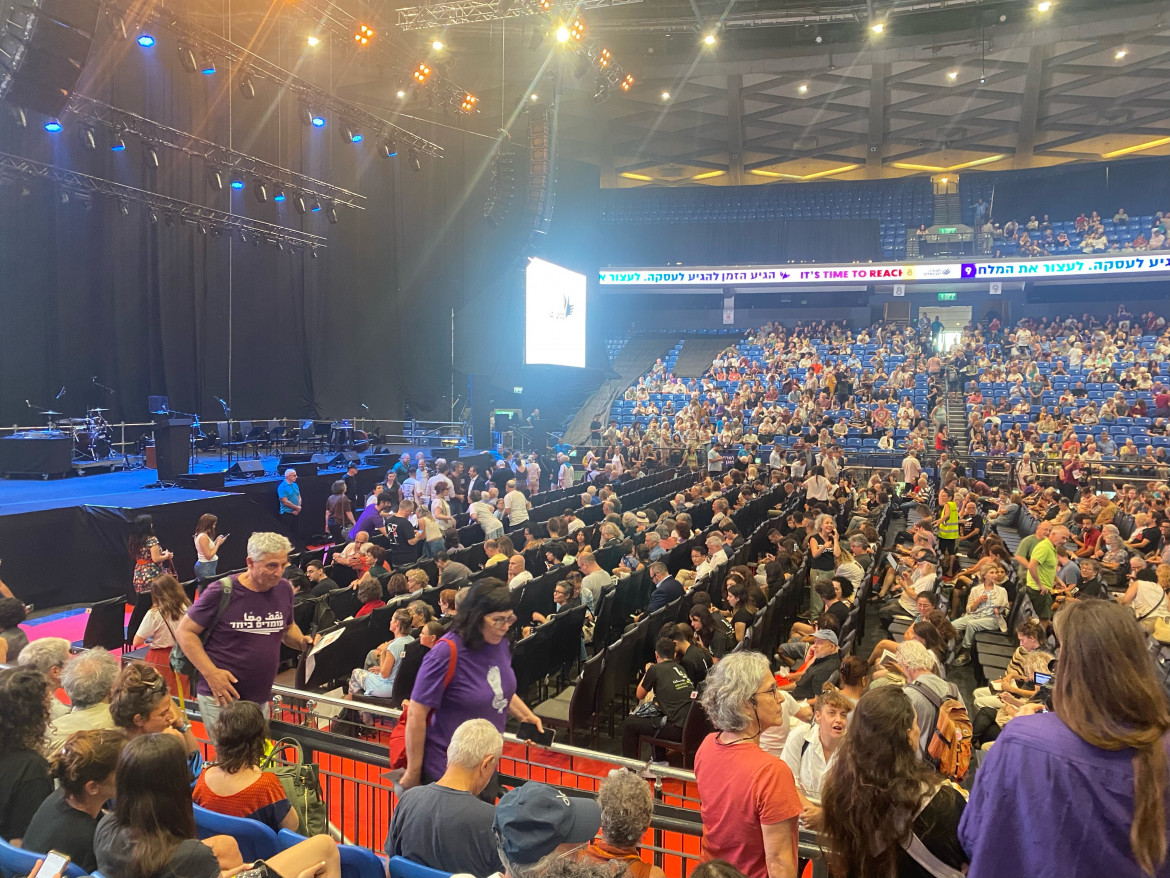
948	525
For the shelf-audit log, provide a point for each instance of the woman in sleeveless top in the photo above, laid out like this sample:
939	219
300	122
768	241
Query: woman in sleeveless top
207	544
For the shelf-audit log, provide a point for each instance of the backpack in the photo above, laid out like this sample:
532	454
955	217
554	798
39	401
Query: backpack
180	663
949	749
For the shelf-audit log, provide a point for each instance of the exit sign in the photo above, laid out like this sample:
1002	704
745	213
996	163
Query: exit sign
947	230
947	297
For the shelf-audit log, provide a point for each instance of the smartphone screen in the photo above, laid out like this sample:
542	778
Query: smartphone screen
54	864
528	732
1041	679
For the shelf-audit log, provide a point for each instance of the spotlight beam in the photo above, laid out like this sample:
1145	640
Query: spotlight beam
231	161
470	11
184	211
225	51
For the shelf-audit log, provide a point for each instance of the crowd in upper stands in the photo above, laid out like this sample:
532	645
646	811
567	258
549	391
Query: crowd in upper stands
1086	234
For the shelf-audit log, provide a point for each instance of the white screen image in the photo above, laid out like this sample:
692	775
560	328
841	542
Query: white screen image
554	315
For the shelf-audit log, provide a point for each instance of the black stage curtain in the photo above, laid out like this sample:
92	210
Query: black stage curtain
739	243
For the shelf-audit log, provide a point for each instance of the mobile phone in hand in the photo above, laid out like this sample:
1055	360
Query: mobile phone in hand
529	732
55	863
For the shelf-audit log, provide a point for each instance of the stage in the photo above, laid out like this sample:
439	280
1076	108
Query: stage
63	542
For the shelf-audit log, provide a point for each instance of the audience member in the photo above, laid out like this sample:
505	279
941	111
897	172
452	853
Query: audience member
626	808
87	681
141	705
49	655
24	773
12	636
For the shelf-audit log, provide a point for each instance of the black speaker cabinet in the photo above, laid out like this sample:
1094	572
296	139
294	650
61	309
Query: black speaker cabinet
246	469
172	447
203	481
47	46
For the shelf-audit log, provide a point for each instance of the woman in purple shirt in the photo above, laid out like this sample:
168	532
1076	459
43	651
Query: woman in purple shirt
482	685
1082	790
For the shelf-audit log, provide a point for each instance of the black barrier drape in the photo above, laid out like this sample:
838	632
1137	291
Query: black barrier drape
732	243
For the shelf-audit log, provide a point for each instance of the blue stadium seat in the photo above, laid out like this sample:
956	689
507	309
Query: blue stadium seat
256	840
356	862
16	861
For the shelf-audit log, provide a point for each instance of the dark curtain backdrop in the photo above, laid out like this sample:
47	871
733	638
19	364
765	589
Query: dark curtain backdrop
151	309
1141	186
731	243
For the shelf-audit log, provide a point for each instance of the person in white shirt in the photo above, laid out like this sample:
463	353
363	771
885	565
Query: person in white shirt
717	556
816	486
810	749
439	476
776	458
986	605
911	468
517	574
484	514
565	472
516	505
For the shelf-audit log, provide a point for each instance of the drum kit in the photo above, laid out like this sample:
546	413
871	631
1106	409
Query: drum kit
93	438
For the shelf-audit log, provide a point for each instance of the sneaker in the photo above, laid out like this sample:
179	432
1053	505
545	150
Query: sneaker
961	661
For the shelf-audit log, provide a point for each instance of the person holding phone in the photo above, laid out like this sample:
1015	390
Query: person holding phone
207	545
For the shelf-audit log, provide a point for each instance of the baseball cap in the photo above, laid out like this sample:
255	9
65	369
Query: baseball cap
532	820
826	634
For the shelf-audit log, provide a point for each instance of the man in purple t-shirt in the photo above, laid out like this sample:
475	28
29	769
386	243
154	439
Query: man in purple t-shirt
373	518
239	659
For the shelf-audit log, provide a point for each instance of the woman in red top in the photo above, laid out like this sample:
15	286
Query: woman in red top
749	805
369	592
234	784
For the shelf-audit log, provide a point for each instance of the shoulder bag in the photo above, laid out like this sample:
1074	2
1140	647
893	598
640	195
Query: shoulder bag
180	663
302	784
398	734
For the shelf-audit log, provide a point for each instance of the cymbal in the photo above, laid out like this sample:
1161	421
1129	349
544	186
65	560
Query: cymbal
98	410
50	413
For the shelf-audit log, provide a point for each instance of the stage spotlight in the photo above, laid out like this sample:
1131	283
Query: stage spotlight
119	144
534	97
709	40
877	27
331	215
401	93
562	34
350	134
278	195
390	149
315	206
202	228
577	29
628	82
1043	6
666	96
467	105
437	45
260	190
215	179
52	126
604	58
237	185
1119	54
318	120
243	236
306	114
421	74
802	88
187	59
208	68
150	153
88	138
415	161
146	41
545	5
63	196
602	91
123	207
299	204
313	40
363	36
120	27
247	88
953	75
19	118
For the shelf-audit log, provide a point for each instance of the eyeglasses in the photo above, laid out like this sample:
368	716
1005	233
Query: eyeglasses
772	690
502	622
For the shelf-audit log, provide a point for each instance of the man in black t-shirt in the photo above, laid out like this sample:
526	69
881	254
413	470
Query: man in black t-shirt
695	660
673	693
404	539
1091	585
322	584
828	660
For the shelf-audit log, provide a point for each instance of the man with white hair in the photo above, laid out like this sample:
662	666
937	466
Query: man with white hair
48	655
564	472
288	493
233	631
87	679
925	689
516	505
717	555
444	825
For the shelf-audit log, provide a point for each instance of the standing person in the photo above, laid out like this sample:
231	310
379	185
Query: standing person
159	626
564	472
288	493
947	523
404	539
1041	567
748	799
207	544
1100	755
338	511
66	820
516	505
150	562
878	796
24	773
532	475
241	652
481	685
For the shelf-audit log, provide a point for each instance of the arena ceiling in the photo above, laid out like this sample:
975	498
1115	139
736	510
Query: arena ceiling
795	91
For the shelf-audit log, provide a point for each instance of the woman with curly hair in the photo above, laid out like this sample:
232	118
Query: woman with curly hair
24	772
141	705
878	797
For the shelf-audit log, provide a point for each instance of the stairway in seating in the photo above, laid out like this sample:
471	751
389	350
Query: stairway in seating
697	354
957	423
946	209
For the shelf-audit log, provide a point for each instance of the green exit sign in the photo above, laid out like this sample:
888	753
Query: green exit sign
947	230
947	297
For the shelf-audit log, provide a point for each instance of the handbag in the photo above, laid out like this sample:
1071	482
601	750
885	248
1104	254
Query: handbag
922	855
397	743
302	785
1150	611
180	663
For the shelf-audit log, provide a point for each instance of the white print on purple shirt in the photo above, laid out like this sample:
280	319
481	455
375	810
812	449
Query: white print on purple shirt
252	623
493	679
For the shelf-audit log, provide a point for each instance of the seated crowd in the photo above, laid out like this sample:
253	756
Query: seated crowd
1085	234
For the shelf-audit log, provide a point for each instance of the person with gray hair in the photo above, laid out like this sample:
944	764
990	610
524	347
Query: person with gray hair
338	511
749	805
444	825
626	808
87	679
288	495
48	655
924	687
234	630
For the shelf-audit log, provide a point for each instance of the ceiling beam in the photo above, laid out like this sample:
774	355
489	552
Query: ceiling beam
735	129
1030	107
877	121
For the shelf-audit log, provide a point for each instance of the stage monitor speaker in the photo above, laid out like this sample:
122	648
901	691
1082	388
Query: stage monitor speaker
380	460
304	469
328	459
246	469
45	45
287	460
172	447
203	481
347	457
